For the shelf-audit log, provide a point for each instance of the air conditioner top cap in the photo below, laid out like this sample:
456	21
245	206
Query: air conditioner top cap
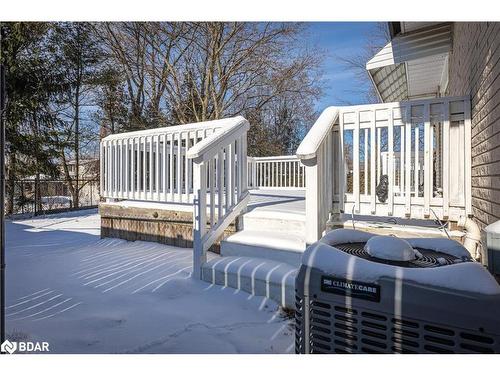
389	248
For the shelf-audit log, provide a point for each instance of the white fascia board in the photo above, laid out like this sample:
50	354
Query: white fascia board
382	58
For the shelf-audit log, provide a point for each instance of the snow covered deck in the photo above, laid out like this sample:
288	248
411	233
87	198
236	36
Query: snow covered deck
288	201
84	294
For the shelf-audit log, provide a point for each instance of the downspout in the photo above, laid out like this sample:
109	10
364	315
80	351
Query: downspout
472	241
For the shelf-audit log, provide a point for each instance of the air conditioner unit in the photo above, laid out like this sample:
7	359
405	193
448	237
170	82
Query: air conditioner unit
361	293
493	247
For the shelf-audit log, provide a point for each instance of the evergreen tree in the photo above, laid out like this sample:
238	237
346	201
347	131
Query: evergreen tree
78	60
31	85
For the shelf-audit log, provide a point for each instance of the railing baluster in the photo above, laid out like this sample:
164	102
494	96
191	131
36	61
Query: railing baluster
373	164
187	171
127	166
262	174
402	135
112	168
211	175
157	168
171	167
233	173
341	158
134	174
427	159
356	163
244	171
408	131
108	168
102	170
227	176
417	163
151	169
365	162
164	168
446	158
273	174
115	175
390	163
267	174
178	164
379	153
220	185
279	173
239	166
121	173
144	168
118	167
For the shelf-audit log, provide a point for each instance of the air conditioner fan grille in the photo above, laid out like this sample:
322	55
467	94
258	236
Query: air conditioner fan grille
430	258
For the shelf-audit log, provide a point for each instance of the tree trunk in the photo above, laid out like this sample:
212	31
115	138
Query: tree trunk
11	185
77	147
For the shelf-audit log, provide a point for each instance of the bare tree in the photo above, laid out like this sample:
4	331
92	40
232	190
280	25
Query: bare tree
145	55
356	63
177	73
240	66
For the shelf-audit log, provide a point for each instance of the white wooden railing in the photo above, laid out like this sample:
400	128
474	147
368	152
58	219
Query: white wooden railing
421	148
151	165
219	185
316	153
275	172
204	164
129	172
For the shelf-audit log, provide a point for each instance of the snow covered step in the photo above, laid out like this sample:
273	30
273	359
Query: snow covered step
274	221
257	276
276	246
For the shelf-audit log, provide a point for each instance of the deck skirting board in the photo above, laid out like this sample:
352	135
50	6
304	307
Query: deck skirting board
164	226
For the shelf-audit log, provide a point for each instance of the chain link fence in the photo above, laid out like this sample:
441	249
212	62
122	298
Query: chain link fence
37	197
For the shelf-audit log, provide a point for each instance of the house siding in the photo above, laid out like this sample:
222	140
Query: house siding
474	69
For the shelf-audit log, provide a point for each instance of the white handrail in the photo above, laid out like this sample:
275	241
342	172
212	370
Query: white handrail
209	147
222	123
316	152
219	185
313	140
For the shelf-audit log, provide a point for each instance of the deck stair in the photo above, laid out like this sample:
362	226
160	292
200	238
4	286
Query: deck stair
273	235
264	256
257	276
273	228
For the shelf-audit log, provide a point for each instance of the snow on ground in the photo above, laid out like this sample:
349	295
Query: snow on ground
83	294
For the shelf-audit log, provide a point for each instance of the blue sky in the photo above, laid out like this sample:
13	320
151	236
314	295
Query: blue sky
340	38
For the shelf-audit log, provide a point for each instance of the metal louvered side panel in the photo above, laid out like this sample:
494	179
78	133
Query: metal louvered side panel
338	329
299	325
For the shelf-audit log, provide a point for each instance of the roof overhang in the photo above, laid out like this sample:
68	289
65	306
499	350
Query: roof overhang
414	64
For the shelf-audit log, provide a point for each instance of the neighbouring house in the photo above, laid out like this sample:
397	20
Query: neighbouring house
88	168
429	151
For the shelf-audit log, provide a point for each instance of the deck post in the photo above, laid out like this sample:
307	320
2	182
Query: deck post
199	216
313	230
